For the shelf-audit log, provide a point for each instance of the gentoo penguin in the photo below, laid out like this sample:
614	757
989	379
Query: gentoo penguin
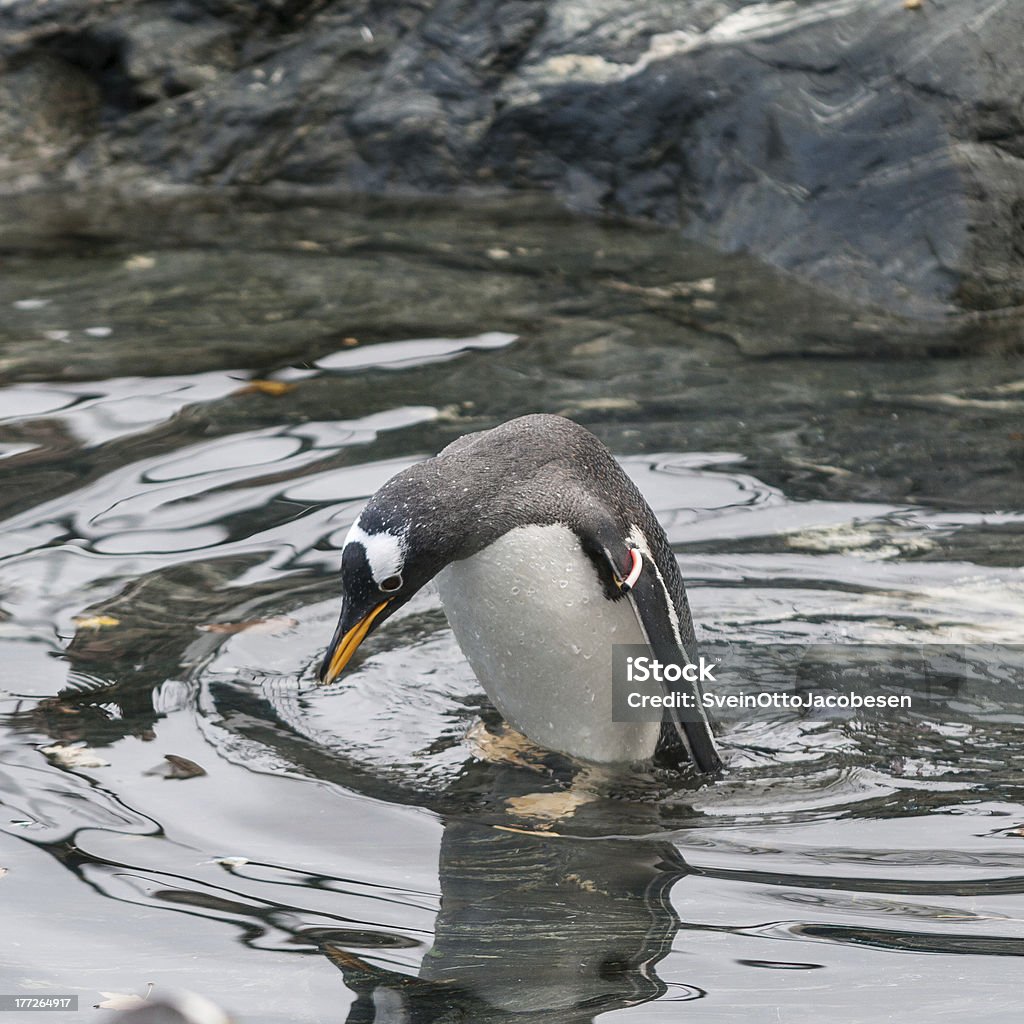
545	555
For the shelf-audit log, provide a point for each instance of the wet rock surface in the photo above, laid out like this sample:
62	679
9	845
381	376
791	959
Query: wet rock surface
871	149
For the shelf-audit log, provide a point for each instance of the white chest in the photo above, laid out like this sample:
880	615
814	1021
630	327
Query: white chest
531	617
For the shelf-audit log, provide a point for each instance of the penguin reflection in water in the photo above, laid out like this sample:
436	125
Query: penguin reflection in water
545	555
531	930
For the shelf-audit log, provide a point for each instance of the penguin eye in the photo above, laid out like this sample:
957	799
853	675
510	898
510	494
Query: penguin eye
391	584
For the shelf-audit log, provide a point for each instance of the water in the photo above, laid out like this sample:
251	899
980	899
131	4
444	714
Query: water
168	579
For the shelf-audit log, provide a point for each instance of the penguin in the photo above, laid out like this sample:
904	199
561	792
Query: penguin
545	555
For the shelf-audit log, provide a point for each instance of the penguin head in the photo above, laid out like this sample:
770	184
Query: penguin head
397	545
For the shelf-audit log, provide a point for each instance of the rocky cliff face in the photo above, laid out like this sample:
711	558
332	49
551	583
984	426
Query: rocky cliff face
875	147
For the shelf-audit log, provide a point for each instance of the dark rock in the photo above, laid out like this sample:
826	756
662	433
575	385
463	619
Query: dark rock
47	106
875	150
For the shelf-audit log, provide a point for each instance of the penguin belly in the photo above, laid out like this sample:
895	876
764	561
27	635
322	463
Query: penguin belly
533	621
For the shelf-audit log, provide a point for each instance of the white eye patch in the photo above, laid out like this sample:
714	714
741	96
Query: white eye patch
384	551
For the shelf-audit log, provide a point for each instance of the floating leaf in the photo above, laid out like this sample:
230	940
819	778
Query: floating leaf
123	1000
119	1001
177	767
96	621
350	342
608	404
139	262
74	757
273	388
913	5
672	290
527	831
274	624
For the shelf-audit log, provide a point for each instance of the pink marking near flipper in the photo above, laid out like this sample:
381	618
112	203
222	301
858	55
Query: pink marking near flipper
634	573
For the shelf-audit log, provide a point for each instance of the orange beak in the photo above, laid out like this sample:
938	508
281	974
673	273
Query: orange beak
336	660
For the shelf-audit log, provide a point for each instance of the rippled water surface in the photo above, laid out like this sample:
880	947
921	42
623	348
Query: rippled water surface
194	414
